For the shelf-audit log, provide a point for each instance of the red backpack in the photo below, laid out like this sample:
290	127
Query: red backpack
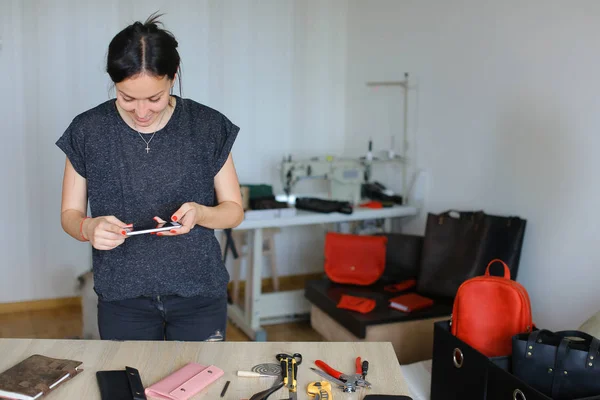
489	310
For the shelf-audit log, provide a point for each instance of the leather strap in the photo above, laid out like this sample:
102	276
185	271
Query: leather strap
506	269
559	372
590	361
578	334
533	338
135	384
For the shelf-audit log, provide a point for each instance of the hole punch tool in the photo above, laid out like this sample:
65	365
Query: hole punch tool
347	382
289	370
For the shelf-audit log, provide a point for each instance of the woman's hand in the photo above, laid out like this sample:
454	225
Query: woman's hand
187	215
104	233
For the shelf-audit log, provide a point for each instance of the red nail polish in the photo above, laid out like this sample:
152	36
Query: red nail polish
174	217
123	233
159	234
153	233
172	231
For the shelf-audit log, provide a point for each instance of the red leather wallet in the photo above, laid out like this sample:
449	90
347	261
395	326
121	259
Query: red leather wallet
401	286
184	383
362	305
410	302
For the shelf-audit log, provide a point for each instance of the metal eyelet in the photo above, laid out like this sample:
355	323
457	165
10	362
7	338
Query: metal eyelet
518	395
458	358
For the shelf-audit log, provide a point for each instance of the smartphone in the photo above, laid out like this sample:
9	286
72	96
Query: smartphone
151	227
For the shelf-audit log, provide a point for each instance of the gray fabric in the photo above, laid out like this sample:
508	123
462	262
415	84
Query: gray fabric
134	186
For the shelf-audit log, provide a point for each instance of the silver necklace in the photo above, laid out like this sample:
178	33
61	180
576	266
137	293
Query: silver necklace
152	137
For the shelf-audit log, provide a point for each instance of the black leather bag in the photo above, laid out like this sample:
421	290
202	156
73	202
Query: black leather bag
459	245
402	257
502	237
557	365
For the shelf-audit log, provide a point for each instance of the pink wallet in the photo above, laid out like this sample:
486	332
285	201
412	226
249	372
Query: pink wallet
184	383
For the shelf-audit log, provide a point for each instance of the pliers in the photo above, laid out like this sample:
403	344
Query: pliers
348	383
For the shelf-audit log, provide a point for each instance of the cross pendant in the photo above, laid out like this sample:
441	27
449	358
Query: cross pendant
147	149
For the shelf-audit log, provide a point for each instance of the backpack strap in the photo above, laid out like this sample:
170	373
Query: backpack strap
506	269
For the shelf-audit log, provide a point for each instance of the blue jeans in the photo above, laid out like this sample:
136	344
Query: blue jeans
163	318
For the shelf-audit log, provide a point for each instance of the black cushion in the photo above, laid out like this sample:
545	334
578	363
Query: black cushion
325	295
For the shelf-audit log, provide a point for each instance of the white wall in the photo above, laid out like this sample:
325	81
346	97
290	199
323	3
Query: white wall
275	68
507	118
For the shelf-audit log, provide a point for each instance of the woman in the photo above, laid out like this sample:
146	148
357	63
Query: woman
148	155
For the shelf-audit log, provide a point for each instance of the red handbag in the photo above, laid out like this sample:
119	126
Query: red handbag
489	310
354	259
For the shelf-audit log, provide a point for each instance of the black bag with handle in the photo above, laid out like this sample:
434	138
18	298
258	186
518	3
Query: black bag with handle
556	364
450	247
458	245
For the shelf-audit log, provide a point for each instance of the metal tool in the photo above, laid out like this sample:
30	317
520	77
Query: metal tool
320	390
263	395
346	382
225	388
345	386
289	369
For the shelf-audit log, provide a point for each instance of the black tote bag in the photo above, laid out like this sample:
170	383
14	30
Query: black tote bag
556	365
450	248
458	245
402	257
502	237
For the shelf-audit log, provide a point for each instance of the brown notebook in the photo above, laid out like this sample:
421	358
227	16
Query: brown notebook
36	376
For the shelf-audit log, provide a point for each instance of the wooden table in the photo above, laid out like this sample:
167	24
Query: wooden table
156	360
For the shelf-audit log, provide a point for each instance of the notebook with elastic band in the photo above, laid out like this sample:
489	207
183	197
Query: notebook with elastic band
36	376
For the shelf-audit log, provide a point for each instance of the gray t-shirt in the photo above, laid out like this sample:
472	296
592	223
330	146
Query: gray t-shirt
125	181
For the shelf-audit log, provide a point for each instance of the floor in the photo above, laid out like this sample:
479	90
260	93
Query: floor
66	322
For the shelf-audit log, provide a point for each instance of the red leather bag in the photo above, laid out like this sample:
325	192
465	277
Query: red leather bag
489	310
354	259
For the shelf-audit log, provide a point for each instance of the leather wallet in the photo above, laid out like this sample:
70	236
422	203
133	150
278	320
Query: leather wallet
401	286
410	302
120	385
184	383
362	305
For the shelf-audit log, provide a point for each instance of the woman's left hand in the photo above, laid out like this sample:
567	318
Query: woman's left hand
186	215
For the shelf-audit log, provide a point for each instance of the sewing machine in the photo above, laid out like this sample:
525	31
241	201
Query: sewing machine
345	176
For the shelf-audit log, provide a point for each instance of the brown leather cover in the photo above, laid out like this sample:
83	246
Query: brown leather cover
36	374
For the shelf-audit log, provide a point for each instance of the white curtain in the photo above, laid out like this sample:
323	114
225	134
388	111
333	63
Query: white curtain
275	68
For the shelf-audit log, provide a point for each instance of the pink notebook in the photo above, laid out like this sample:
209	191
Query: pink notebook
184	383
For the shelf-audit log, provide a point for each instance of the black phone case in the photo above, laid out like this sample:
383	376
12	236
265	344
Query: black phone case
121	385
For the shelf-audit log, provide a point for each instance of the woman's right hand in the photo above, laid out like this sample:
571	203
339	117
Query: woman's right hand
105	233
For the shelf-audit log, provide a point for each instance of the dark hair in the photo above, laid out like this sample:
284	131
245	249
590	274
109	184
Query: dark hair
143	48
